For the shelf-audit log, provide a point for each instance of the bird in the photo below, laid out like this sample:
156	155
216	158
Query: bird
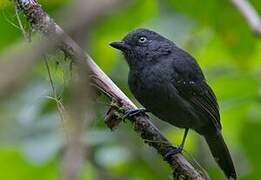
170	84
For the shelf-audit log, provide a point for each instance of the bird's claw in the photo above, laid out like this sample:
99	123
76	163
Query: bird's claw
133	112
172	152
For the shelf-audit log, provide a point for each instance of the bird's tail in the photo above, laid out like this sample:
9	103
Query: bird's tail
221	154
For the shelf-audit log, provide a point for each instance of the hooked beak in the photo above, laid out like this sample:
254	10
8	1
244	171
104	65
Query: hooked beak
121	45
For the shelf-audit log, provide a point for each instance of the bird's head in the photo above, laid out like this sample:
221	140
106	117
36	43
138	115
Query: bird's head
143	45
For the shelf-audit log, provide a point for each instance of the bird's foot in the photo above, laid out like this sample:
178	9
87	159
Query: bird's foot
133	112
172	152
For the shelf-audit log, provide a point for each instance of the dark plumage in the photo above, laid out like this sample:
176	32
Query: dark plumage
169	83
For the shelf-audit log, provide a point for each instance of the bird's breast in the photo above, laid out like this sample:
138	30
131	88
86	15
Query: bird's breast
154	90
148	86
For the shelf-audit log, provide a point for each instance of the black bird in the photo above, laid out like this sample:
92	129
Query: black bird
169	83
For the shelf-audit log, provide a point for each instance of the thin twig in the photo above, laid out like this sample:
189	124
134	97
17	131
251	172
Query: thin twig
21	25
50	77
9	20
250	14
59	105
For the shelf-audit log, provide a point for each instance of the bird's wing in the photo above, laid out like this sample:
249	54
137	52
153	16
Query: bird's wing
192	86
202	98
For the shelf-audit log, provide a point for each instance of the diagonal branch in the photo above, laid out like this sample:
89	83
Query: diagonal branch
250	14
41	22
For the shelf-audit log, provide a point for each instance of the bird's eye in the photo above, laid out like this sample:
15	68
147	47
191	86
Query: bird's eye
142	39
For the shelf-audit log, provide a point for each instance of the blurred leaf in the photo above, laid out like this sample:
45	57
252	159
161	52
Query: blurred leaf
225	20
109	29
88	172
14	167
251	144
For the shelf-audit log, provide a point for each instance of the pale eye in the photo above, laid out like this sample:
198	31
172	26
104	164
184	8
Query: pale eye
142	39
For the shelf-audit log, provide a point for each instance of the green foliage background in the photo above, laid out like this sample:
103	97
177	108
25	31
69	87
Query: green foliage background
31	138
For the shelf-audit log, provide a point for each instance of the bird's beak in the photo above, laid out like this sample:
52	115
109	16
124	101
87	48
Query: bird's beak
121	45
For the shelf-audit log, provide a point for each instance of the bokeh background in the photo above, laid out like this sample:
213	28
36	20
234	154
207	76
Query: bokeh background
33	138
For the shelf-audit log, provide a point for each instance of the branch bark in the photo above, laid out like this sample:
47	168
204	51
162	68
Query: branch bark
250	14
41	22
